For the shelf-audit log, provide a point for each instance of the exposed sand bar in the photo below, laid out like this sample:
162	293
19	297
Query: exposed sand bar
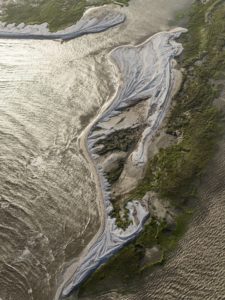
147	74
93	21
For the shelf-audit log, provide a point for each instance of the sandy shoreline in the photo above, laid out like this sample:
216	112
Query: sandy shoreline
69	272
109	239
90	259
93	21
69	268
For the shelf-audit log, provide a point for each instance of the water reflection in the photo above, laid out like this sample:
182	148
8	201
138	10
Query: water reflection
48	211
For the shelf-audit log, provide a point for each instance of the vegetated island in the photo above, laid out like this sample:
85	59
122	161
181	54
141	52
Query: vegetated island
162	180
178	155
143	97
94	20
57	15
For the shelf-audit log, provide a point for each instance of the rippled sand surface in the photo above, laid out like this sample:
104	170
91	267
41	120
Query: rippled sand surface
48	211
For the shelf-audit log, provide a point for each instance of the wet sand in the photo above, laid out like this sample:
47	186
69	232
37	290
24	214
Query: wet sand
151	70
94	20
45	93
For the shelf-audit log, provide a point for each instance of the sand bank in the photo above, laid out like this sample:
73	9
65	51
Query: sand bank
146	73
94	20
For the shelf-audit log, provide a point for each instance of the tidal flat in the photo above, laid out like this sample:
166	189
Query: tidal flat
173	174
87	56
58	14
153	59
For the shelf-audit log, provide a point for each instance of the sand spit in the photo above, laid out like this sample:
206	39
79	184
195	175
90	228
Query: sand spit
147	74
94	20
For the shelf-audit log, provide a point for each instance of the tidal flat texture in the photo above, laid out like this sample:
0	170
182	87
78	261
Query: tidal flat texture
49	91
47	206
149	77
180	173
58	14
93	21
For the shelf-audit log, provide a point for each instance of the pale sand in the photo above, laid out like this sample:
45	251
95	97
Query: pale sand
94	20
143	81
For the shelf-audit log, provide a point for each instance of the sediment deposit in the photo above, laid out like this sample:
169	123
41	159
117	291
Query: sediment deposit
48	206
94	20
146	76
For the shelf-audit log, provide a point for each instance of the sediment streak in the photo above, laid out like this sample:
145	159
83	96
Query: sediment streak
147	72
94	20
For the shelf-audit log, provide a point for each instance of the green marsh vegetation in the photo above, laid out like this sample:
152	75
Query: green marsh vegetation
59	14
175	172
